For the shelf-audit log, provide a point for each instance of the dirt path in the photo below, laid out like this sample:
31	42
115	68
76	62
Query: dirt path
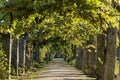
60	70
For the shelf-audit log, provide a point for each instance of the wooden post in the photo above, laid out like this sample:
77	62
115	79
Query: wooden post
100	56
110	54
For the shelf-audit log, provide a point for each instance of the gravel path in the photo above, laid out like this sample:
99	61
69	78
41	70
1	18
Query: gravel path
60	70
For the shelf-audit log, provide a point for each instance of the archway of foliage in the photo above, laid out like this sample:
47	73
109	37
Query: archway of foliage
56	24
31	15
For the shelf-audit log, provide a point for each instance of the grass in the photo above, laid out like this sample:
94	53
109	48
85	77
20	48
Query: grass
30	74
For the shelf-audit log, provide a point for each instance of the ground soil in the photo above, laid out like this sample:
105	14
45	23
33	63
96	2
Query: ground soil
60	70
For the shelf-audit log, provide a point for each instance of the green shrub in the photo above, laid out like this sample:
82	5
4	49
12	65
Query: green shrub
3	64
73	63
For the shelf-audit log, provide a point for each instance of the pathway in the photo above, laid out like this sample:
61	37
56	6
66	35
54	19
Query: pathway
60	70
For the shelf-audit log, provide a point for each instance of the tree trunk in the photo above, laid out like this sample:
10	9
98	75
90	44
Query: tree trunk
17	72
31	55
92	56
119	48
10	54
100	56
24	56
118	55
79	58
110	56
74	52
85	57
21	52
